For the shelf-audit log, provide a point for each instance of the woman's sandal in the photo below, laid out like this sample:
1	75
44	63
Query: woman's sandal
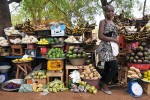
105	91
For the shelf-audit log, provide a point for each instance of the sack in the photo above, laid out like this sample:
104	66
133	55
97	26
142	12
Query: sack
115	48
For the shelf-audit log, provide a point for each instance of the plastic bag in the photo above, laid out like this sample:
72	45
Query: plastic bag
25	88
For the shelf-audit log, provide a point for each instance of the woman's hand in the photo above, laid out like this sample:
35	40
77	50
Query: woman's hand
116	40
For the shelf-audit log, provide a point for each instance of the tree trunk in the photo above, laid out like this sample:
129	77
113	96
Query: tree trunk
144	8
5	18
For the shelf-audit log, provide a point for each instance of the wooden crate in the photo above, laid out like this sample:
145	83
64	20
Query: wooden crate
39	81
51	74
55	65
146	87
17	50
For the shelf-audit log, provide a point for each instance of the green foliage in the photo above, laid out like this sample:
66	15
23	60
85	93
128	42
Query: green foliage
69	11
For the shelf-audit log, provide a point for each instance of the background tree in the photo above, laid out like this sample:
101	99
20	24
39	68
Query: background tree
5	18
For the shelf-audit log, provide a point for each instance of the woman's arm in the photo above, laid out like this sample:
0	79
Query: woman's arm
101	36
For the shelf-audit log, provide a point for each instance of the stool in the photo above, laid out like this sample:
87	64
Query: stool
71	67
23	66
17	50
54	74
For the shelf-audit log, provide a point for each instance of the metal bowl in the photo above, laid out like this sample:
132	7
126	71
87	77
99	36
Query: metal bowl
18	81
4	68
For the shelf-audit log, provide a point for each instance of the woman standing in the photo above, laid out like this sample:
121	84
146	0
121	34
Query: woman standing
108	32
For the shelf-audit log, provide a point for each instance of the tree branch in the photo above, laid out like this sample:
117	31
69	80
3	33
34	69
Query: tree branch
144	7
111	1
17	1
15	8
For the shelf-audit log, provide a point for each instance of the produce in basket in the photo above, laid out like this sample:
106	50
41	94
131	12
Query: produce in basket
40	74
76	52
134	73
146	76
90	72
55	53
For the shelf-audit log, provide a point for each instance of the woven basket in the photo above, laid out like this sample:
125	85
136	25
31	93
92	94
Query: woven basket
93	82
77	61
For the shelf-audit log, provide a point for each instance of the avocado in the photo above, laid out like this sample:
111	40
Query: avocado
146	58
145	49
132	54
79	55
143	44
140	54
71	48
75	51
131	58
70	52
139	61
140	48
146	62
145	53
74	55
134	60
136	57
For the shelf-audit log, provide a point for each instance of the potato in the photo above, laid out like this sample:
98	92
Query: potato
134	76
95	77
131	72
87	70
91	75
82	76
137	71
86	75
129	76
94	70
132	68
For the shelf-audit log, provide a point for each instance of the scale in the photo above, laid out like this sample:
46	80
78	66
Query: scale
134	88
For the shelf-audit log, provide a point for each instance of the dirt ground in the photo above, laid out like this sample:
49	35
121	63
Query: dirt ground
118	94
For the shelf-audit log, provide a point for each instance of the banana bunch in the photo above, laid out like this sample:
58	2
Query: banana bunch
28	27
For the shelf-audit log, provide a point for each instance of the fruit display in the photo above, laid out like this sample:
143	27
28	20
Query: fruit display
76	52
28	27
146	76
148	26
11	31
15	41
146	17
43	41
55	86
83	87
12	85
29	39
55	41
42	27
3	42
40	74
90	72
37	87
55	53
71	39
19	60
134	73
139	55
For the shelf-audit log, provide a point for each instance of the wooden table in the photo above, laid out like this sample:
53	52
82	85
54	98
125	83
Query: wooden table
22	66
